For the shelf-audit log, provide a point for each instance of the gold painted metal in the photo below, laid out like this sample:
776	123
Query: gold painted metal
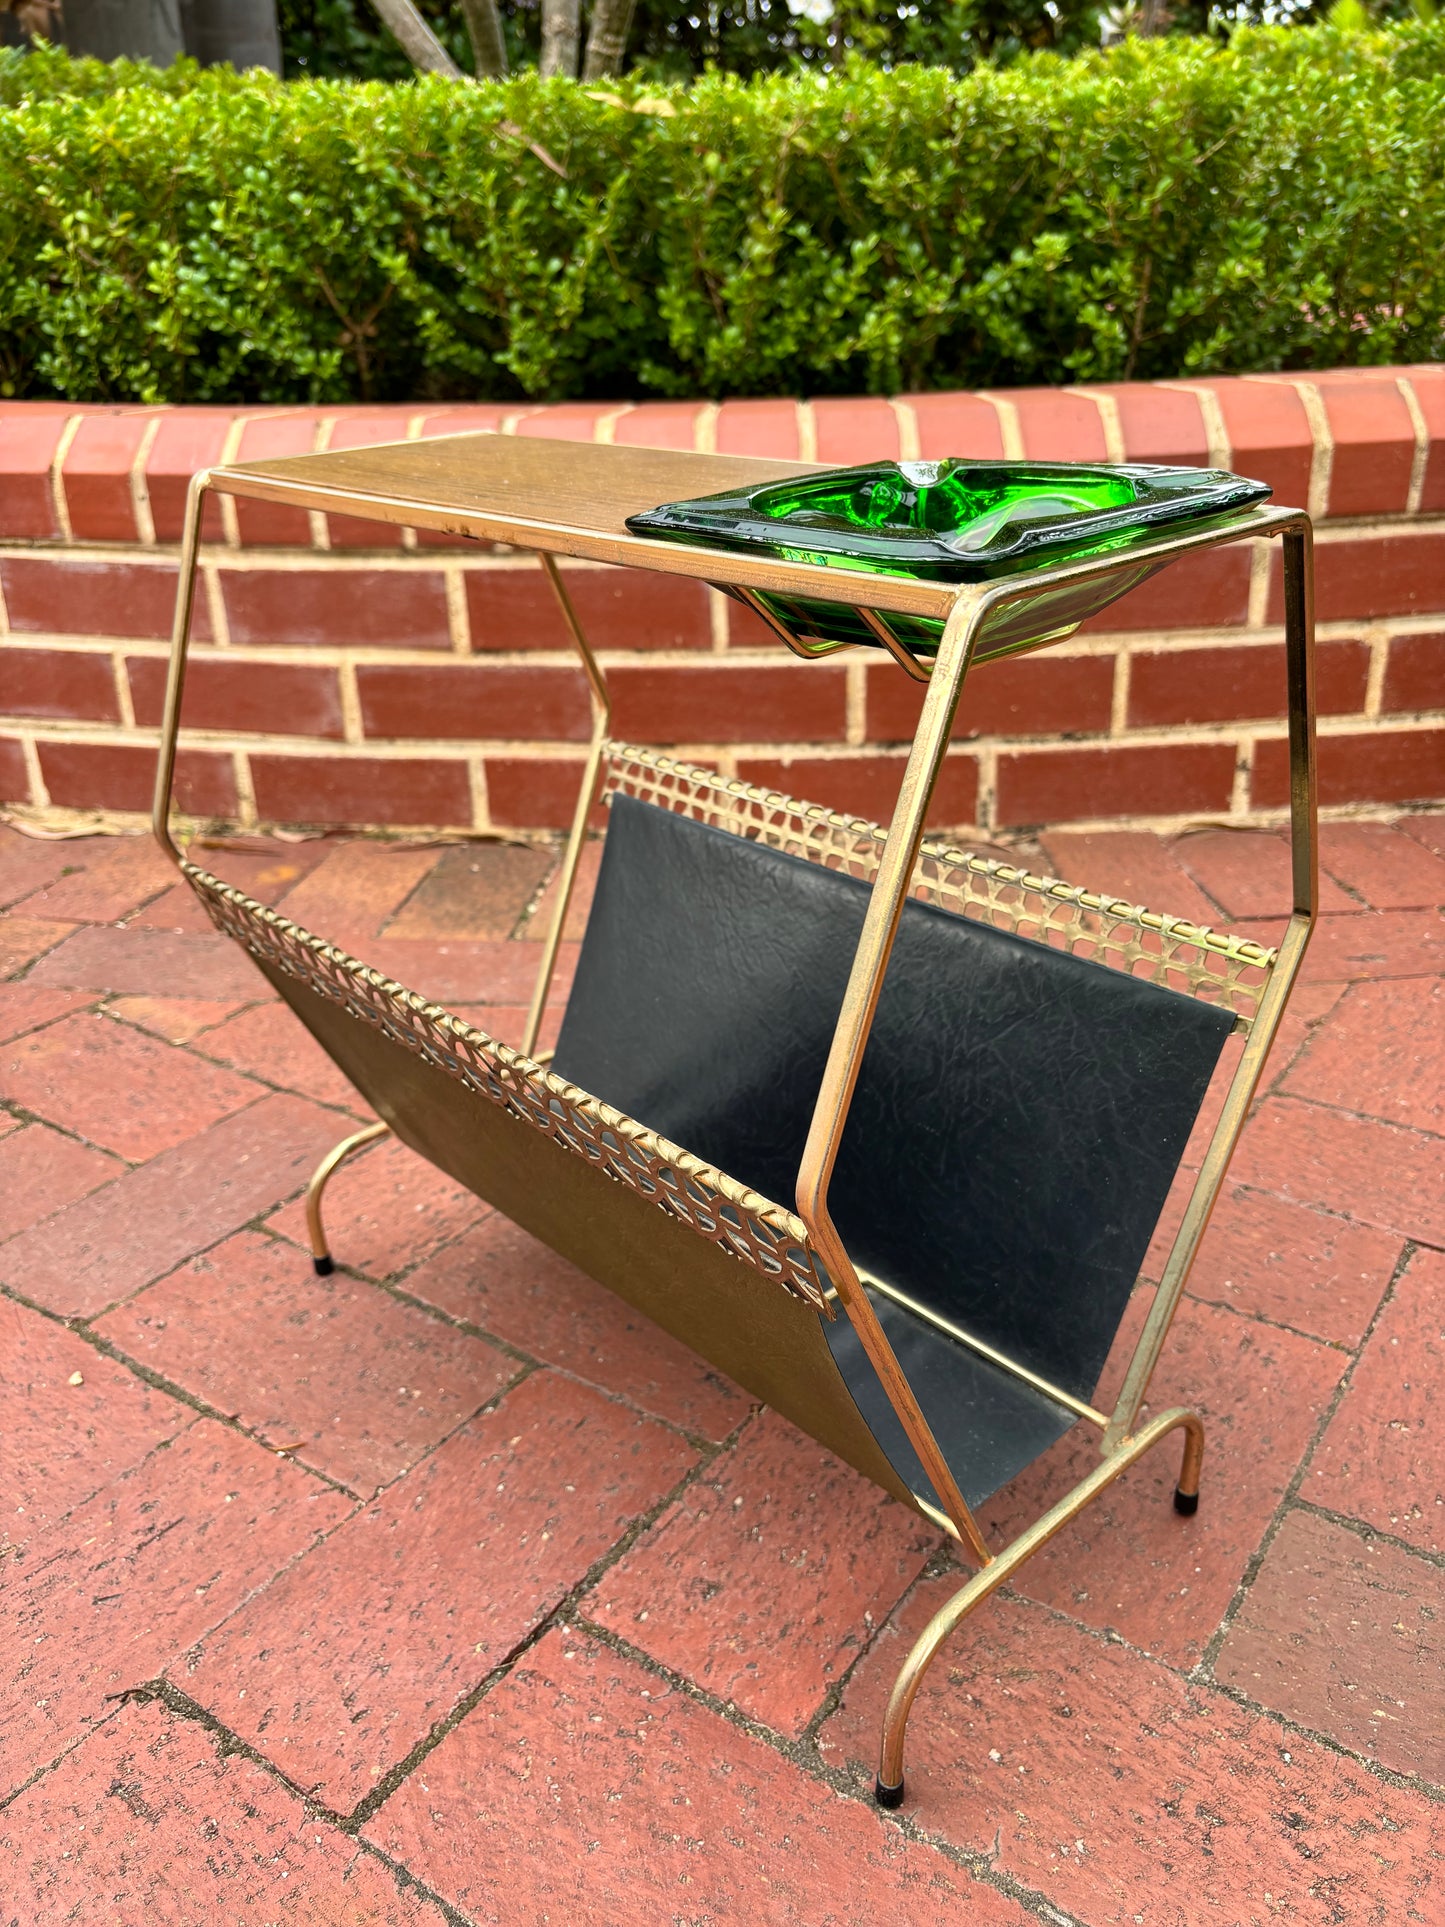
1002	1568
744	1278
321	1176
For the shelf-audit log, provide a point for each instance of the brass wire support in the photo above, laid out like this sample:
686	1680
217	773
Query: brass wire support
889	1788
321	1260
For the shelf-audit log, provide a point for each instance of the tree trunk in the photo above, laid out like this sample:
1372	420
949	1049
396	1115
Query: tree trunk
119	29
607	38
420	45
561	25
1155	19
484	30
243	32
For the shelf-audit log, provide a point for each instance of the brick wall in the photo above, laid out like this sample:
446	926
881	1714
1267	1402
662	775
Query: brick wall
347	674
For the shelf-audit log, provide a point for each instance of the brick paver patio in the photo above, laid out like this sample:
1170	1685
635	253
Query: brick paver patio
445	1589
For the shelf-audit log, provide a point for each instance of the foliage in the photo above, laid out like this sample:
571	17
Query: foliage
1169	207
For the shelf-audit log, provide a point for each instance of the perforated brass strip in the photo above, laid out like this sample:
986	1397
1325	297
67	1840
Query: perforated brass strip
1208	964
748	1227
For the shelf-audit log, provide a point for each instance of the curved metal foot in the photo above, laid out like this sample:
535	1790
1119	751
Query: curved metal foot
322	1262
889	1785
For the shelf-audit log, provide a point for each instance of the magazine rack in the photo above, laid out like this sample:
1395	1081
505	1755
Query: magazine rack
920	1252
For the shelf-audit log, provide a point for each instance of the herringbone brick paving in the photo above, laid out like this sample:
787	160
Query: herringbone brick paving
446	1589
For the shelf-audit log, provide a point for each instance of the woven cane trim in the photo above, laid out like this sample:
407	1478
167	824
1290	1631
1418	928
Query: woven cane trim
1171	951
773	1241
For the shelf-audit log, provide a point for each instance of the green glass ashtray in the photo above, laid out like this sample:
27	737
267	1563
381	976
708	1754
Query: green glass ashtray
953	521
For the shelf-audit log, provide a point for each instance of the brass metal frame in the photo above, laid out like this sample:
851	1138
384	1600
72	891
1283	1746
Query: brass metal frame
801	1249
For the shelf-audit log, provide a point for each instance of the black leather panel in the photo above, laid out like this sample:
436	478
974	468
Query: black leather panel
1019	1115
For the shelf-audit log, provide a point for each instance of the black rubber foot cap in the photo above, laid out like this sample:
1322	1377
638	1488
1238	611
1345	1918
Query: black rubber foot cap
323	1267
888	1796
1186	1502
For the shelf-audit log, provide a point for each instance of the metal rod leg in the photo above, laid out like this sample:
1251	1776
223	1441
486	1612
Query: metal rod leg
889	1785
320	1251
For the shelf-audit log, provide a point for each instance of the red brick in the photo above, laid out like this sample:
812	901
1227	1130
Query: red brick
386	1211
1051	785
14	775
1080	1768
582	1754
28	864
352	1656
1208	591
1429	385
729	703
41	1170
1270	439
1341	1634
22	939
98	1251
136	959
474	700
1428	830
122	1090
269	1042
151	1808
1222	684
356	889
475	890
1022	696
62	1441
28	446
105	879
96	477
1361	577
1383	865
1058	427
849	432
266	438
763	1581
365	430
1374	766
956	425
566	422
1380	1053
758	428
532	794
1374	443
459	971
1317	1273
1379	1174
26	1007
121	776
1160	424
357	790
1248	873
617	608
659	424
57	595
273	698
579	906
1128	1564
499	1278
343	607
1376	943
1415	673
188	440
58	682
137	1574
473	418
176	1019
356	1385
1380	1459
1133	864
867	785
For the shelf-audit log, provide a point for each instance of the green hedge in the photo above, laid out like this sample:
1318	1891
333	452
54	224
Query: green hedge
1168	207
